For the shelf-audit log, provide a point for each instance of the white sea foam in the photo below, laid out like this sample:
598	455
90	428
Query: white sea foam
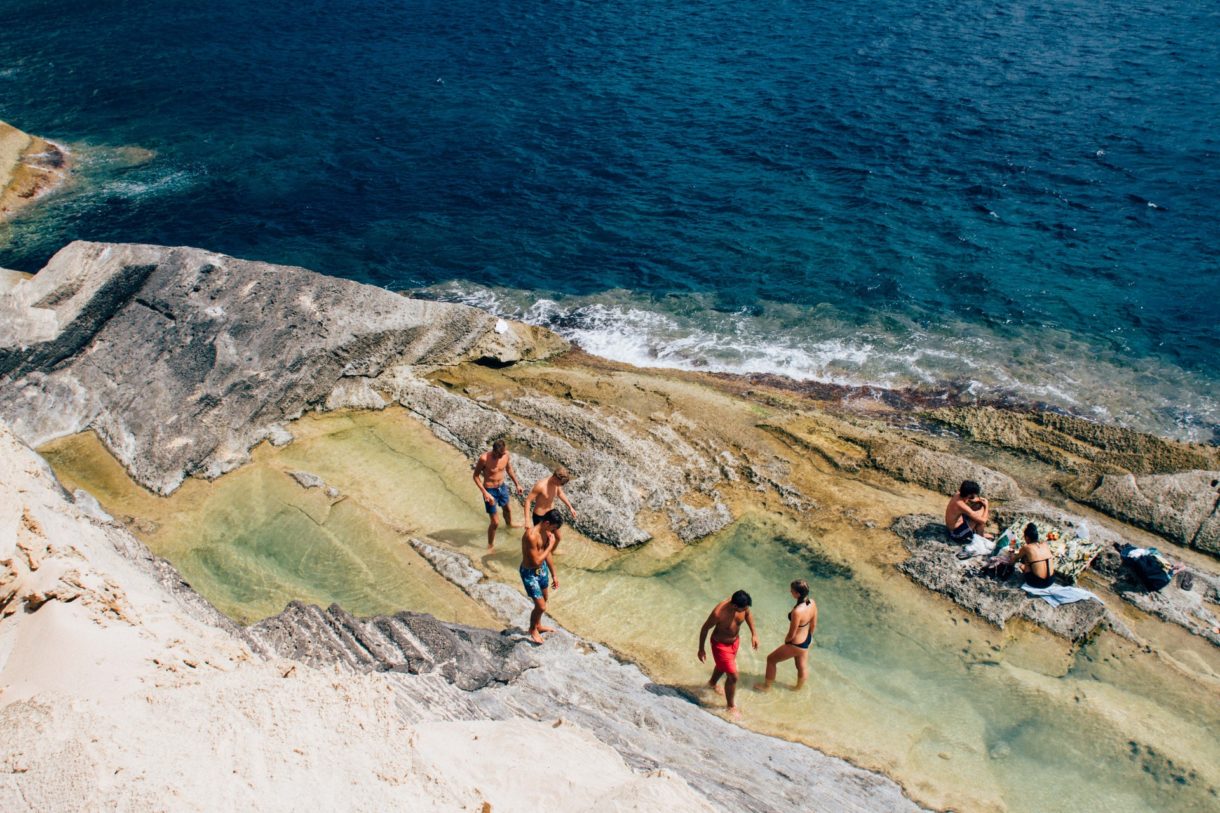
817	346
170	181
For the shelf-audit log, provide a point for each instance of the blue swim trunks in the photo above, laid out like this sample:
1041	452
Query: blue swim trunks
499	497
535	579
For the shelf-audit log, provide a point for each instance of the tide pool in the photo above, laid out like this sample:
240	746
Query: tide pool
901	681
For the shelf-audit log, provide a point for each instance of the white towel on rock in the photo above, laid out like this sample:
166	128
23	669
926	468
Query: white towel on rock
1058	594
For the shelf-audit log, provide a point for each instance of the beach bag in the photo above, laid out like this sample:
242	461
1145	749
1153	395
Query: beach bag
1148	568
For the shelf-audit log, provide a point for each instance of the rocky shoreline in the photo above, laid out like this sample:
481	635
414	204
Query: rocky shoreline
182	361
30	167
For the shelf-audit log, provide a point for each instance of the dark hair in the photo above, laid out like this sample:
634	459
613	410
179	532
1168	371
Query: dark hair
969	489
802	588
553	517
1031	533
741	599
499	443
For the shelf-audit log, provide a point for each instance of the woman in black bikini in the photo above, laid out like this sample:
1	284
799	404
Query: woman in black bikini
1036	560
802	621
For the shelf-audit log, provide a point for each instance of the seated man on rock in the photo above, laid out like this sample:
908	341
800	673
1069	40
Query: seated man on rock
967	513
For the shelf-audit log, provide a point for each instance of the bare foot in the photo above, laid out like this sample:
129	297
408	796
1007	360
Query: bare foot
734	712
762	687
546	629
716	687
798	686
535	637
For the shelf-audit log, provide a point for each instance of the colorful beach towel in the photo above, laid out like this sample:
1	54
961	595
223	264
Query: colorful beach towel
1071	547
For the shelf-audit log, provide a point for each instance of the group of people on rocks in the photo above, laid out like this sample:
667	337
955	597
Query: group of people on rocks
967	515
543	525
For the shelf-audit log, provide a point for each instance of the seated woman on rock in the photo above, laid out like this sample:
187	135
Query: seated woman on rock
1036	560
802	621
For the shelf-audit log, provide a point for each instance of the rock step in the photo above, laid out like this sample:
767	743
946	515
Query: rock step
415	643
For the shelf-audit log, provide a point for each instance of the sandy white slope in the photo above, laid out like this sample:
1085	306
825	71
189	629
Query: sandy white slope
114	696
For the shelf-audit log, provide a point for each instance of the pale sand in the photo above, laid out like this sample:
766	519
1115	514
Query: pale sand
115	697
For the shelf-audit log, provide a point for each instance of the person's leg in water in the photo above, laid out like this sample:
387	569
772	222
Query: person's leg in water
714	683
781	653
491	531
730	694
508	514
802	668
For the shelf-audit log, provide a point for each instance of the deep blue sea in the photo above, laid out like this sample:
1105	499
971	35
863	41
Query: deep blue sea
1012	199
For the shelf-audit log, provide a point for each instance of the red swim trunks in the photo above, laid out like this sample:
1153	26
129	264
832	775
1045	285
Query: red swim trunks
725	656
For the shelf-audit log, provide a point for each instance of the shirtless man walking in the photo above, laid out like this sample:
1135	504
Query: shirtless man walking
542	498
724	622
537	545
489	474
967	513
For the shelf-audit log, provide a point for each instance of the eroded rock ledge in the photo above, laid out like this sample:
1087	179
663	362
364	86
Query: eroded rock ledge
182	360
30	167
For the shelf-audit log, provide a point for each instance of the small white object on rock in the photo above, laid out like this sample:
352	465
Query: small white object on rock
89	506
501	326
278	435
307	480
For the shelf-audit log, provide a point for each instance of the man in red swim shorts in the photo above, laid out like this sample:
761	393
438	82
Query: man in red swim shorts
724	622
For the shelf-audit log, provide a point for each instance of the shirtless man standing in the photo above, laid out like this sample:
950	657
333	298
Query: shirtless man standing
537	545
489	474
542	498
724	621
967	513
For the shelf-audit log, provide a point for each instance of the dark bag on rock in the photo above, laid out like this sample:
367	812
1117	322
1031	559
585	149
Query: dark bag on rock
1149	569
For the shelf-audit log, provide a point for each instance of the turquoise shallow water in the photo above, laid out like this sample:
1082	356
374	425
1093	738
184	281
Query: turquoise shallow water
1011	201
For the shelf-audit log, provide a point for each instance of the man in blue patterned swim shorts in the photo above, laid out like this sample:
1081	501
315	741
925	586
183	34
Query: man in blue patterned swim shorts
489	473
537	544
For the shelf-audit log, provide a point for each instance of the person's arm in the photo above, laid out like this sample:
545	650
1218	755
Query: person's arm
550	562
978	514
508	467
707	627
753	632
564	498
793	626
478	477
530	499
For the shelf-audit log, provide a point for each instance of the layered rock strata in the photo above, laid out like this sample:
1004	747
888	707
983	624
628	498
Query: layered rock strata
182	360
